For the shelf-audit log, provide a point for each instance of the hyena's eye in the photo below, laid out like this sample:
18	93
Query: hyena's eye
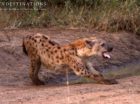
90	43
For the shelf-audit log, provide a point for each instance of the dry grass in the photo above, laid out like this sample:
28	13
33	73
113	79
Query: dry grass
113	15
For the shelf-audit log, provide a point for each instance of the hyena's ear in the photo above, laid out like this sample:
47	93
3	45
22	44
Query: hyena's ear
90	43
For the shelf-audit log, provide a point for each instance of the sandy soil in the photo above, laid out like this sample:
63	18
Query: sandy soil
16	86
126	92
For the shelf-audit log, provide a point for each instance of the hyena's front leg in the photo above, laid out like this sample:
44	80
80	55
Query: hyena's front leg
81	70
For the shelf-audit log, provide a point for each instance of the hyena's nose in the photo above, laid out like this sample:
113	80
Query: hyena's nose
110	49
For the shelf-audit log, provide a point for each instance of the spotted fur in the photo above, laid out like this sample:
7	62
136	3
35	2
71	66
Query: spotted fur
42	50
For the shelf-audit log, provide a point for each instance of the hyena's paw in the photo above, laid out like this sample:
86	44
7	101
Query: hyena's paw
39	82
109	81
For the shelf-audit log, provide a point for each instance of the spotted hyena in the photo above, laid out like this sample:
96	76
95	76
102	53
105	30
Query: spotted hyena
42	50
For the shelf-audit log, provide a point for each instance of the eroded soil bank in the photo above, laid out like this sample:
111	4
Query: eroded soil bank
16	86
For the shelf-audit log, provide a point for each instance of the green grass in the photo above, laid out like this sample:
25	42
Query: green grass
124	71
108	15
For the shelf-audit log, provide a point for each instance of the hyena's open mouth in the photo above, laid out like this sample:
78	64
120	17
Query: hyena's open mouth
106	55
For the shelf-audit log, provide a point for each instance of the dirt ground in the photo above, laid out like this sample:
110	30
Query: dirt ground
16	86
126	92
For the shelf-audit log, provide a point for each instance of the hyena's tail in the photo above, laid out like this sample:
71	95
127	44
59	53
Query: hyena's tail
24	48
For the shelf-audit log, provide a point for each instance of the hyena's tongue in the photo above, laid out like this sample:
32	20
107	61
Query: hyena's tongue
106	55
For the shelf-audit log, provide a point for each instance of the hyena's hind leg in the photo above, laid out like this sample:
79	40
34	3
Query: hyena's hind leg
81	70
34	69
29	47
